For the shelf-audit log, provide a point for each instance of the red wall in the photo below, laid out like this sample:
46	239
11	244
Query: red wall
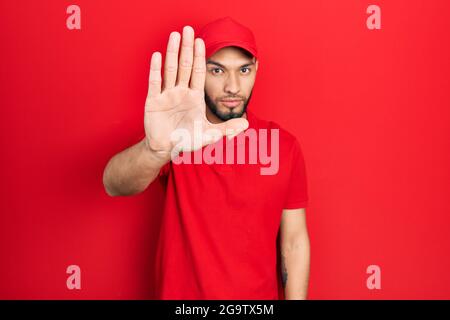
370	108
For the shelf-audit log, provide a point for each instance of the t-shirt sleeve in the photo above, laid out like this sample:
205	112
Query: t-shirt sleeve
297	193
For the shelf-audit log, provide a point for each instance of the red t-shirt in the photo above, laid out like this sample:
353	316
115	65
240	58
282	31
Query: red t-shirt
219	234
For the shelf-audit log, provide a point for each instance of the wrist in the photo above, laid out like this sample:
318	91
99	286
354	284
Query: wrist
155	159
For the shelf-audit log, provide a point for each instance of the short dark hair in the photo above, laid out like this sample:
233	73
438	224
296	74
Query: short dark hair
247	53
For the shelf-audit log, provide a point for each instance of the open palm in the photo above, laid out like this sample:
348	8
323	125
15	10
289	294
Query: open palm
180	103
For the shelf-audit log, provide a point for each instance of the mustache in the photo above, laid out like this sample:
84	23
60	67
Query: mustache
232	98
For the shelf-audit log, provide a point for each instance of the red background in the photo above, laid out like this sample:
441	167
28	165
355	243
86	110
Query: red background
369	107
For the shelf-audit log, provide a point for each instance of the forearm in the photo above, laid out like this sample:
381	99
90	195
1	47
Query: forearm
132	170
295	260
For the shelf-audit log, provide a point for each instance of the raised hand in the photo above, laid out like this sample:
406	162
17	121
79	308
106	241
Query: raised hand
179	104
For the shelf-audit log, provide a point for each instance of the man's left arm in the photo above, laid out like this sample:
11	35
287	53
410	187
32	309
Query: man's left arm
295	254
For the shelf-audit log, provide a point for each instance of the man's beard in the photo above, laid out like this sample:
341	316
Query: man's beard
228	115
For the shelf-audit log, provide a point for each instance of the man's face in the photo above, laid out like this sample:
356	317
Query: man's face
230	76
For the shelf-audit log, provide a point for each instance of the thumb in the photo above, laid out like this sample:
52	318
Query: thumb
230	127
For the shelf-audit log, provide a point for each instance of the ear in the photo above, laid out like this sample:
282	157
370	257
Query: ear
256	64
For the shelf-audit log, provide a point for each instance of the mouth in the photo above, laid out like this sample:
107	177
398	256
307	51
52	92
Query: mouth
231	103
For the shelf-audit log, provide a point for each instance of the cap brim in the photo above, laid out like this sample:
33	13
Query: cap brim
212	49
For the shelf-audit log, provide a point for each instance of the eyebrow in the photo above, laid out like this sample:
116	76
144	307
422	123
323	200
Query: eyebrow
222	66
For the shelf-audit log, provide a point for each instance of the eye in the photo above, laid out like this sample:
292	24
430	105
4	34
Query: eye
245	68
216	70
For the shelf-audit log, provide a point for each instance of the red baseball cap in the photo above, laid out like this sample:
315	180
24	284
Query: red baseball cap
225	32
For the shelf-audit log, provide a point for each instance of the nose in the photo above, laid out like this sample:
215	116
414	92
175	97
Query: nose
232	85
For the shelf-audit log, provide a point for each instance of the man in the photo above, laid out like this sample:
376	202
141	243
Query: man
222	220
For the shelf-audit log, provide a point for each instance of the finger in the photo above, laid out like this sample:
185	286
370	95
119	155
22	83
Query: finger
199	67
154	81
171	62
186	56
230	127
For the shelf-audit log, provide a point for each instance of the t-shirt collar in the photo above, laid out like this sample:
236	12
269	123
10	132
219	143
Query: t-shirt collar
252	120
